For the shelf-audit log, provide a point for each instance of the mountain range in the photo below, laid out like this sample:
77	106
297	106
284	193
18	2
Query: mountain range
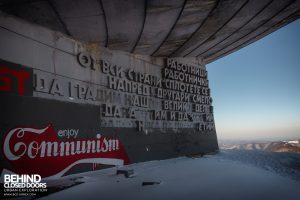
277	146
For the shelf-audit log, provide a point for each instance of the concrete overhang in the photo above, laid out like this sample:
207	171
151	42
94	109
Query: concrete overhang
209	29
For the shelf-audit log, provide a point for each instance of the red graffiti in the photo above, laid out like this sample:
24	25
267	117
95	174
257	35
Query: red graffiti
39	151
8	75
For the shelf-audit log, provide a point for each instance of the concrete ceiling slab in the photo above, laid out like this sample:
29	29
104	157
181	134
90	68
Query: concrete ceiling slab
224	12
194	14
161	17
124	22
39	12
90	17
183	28
243	16
283	16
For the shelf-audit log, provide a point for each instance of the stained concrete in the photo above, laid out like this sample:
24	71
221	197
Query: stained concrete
183	28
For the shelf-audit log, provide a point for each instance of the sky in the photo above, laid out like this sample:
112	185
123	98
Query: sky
256	90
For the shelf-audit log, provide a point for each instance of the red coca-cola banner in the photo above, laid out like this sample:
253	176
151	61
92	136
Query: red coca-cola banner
41	151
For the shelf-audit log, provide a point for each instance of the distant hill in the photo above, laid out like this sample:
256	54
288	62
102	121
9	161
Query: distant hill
278	146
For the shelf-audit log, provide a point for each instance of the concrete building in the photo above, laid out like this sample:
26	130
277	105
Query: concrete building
86	85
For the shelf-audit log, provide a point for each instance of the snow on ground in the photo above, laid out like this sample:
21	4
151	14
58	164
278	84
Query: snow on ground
282	163
211	177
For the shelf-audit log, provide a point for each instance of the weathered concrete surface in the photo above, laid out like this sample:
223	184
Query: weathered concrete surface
161	16
66	102
183	28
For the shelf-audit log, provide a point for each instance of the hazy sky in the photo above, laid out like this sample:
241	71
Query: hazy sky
256	90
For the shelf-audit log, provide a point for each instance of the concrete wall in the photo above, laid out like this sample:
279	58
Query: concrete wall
77	106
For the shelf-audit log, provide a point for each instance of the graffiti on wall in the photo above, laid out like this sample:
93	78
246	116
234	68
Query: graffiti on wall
15	79
50	150
33	150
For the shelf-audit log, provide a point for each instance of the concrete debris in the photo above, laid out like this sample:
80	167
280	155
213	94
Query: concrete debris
128	173
145	183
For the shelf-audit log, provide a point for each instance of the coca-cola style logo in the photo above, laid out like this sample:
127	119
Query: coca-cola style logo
39	151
